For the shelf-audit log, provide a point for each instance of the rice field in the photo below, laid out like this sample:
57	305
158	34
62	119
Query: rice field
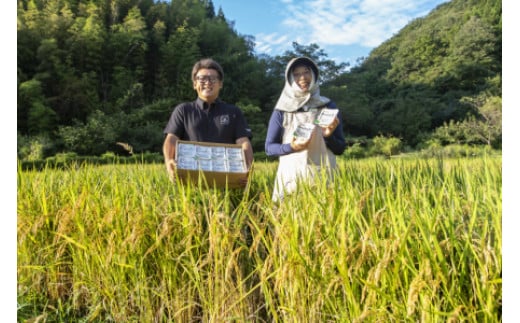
390	240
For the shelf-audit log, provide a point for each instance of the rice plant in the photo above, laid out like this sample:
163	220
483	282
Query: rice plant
386	241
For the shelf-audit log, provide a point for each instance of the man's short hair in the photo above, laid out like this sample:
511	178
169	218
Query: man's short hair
207	63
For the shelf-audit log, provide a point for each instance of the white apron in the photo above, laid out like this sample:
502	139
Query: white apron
305	164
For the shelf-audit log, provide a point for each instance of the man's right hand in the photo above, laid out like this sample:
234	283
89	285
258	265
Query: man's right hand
171	168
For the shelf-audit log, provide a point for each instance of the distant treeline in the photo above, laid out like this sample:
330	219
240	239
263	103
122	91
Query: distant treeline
92	74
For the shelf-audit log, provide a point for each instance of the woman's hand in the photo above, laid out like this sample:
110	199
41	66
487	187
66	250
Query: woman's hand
300	143
328	130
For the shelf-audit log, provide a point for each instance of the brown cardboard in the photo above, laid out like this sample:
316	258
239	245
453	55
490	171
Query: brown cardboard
219	164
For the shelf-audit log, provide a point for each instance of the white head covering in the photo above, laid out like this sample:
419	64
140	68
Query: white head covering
293	97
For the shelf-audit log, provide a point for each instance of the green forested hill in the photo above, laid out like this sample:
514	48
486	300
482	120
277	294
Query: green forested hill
94	73
442	68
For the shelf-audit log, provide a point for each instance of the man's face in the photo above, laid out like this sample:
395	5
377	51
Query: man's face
302	77
207	84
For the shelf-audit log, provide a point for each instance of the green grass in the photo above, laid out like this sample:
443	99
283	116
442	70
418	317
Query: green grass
390	240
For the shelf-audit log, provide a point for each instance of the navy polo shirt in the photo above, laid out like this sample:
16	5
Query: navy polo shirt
197	121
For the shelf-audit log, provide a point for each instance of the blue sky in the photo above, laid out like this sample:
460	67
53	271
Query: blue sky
344	29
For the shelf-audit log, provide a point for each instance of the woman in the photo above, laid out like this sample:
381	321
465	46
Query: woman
301	104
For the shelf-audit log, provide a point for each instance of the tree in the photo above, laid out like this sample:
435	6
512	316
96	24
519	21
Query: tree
36	116
256	122
210	9
94	137
387	146
471	58
486	126
329	69
178	56
403	118
86	40
127	42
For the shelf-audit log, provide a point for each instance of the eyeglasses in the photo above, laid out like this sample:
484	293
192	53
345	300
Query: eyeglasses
206	78
298	75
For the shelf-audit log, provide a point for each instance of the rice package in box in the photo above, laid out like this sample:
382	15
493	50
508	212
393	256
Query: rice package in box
218	163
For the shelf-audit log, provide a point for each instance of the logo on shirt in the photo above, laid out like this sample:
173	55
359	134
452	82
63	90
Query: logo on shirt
224	120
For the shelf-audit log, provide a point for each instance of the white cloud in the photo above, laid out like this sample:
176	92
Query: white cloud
265	43
365	23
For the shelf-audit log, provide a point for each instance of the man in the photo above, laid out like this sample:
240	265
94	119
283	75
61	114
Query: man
208	118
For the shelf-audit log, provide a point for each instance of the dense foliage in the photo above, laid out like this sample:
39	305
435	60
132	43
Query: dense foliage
437	71
94	73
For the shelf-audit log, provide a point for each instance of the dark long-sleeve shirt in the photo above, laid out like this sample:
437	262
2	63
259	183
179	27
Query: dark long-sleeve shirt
275	131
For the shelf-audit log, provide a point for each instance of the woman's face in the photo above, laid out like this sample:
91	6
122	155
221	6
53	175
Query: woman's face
303	77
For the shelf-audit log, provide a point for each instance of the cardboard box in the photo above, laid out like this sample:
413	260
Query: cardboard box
220	164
